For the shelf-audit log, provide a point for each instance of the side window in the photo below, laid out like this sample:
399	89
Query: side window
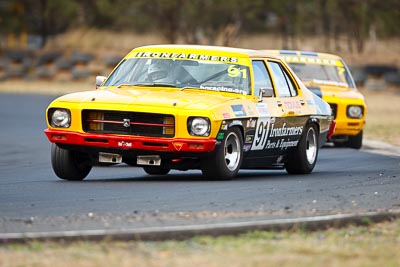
292	89
261	76
284	84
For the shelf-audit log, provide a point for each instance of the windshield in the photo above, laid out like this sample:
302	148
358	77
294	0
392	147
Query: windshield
205	75
323	74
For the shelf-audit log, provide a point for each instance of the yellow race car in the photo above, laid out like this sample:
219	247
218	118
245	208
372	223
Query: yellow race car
183	107
329	77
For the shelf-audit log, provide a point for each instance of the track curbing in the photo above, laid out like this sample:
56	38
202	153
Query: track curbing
216	229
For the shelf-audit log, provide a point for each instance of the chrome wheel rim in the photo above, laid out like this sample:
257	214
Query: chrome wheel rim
232	151
311	146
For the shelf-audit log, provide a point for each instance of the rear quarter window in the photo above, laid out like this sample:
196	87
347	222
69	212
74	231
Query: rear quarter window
284	85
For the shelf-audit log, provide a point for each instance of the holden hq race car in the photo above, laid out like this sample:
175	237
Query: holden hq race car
329	77
184	107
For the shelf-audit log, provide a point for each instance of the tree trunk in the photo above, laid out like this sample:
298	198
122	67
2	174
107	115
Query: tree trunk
43	22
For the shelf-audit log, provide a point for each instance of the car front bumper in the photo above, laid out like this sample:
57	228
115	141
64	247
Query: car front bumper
348	126
130	142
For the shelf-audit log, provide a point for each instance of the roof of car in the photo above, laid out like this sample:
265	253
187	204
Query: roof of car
208	48
302	53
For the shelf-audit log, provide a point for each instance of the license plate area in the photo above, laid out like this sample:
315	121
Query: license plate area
153	160
109	158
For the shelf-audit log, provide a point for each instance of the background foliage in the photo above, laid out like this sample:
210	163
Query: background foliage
201	21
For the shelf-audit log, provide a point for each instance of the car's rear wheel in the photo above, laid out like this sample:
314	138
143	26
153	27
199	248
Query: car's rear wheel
69	165
227	159
355	141
303	160
156	170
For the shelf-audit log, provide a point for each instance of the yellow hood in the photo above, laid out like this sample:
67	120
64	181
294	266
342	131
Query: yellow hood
334	91
160	97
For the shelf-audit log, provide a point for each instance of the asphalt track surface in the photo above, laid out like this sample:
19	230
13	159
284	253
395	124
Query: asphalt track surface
33	199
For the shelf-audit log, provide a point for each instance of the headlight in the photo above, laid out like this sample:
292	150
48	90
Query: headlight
354	112
199	126
60	118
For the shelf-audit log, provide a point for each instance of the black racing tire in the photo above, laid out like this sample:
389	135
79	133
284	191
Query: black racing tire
355	141
304	158
156	170
225	162
69	165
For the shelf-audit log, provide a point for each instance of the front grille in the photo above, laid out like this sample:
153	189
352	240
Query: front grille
128	123
334	110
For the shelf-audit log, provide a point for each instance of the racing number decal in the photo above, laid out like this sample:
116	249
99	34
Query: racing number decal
235	72
261	135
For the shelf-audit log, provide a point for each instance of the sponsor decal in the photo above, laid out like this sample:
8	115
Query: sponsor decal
124	144
246	147
220	136
224	126
285	131
250	110
226	115
282	144
292	104
222	89
249	139
178	145
268	136
312	60
251	123
261	134
262	109
190	56
238	110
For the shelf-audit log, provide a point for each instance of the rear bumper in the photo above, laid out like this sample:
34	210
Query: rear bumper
130	142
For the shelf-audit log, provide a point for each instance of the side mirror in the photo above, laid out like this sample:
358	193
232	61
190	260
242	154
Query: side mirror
100	80
265	92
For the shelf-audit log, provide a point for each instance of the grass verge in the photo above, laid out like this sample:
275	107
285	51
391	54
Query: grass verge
383	121
373	245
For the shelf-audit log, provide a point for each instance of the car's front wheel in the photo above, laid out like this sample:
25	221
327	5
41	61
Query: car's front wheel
303	160
227	159
69	165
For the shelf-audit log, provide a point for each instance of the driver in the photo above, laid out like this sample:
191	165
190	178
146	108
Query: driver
158	72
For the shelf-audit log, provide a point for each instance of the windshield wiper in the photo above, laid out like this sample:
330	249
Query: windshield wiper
148	84
156	84
124	84
190	87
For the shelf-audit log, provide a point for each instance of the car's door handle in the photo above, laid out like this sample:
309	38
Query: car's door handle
302	102
279	103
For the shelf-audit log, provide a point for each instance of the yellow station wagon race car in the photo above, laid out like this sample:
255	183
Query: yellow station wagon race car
328	76
183	107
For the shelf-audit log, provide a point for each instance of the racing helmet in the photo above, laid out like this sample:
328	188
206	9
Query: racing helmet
157	72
